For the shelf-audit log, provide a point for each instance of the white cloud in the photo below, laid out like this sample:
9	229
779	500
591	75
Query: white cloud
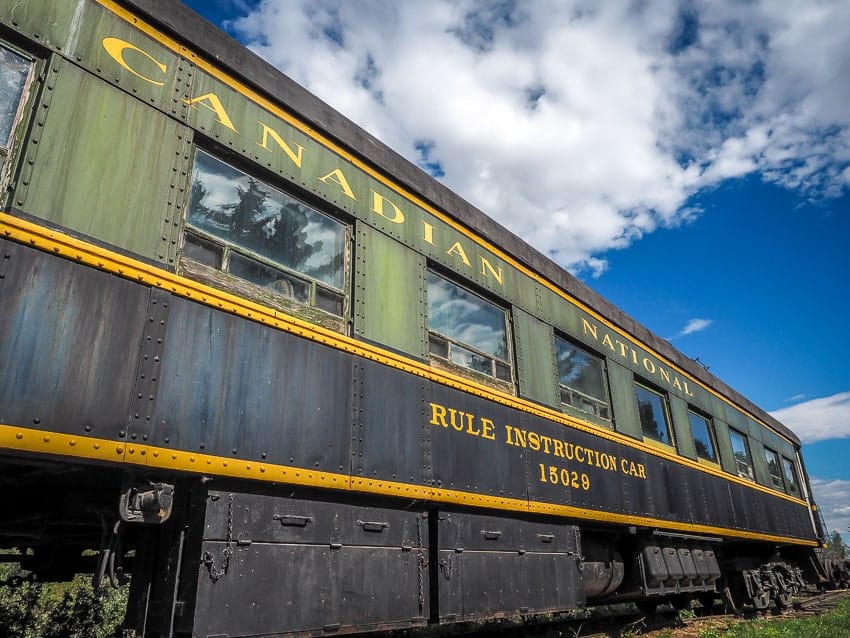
582	127
833	499
818	419
693	325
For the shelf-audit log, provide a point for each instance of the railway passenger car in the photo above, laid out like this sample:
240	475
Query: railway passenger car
286	383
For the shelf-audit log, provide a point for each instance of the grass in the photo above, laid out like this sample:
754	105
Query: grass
833	624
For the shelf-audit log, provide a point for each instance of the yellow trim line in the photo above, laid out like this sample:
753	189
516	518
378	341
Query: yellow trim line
273	108
68	445
61	244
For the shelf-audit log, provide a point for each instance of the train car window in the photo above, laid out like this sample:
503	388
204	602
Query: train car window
466	330
790	474
774	468
654	414
244	227
581	377
703	431
15	70
743	458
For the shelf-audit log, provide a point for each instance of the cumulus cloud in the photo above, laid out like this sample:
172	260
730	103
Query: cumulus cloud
833	499
581	127
818	419
693	325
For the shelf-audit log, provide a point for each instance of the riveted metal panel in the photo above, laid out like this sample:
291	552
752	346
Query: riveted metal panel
390	438
119	53
150	362
724	445
736	419
389	300
230	386
623	400
307	566
70	345
77	176
468	452
48	23
490	567
682	427
535	356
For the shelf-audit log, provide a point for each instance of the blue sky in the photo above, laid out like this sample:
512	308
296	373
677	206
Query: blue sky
690	162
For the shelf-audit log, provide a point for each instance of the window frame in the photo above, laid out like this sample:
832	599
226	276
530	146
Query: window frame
667	413
793	485
7	145
600	404
446	361
774	477
220	275
712	436
750	473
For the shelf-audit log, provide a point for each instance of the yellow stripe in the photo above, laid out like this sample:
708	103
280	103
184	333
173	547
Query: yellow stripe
274	109
59	243
67	445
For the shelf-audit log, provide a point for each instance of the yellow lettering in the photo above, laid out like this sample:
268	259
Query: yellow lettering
455	425
676	383
485	266
520	436
579	454
623	348
641	471
458	251
116	48
546	442
470	419
427	232
438	415
606	341
534	441
270	132
337	177
569	448
378	202
588	327
488	429
687	389
212	102
649	365
664	374
559	448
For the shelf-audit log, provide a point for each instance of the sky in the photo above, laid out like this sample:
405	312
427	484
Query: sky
690	161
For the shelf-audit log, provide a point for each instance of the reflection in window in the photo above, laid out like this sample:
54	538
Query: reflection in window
790	474
14	71
245	227
466	330
741	450
581	376
654	414
703	433
773	468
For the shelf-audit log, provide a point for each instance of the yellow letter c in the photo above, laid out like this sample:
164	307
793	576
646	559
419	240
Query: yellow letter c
116	48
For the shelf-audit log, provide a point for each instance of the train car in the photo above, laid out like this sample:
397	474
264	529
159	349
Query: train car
285	383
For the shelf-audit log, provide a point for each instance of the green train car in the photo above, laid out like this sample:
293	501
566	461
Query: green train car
285	383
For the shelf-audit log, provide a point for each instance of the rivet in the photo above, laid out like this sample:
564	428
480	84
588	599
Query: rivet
19	436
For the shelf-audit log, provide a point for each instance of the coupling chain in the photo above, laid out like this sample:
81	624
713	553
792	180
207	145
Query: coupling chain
226	553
